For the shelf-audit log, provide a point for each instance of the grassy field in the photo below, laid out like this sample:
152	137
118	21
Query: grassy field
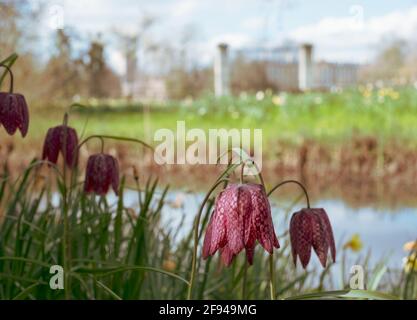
385	113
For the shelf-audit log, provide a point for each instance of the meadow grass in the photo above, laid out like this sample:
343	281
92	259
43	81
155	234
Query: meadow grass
328	118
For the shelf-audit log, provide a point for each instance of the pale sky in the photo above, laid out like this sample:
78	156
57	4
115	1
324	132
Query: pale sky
342	31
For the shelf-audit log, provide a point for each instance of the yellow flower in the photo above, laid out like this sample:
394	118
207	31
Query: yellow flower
382	92
367	94
410	245
394	95
354	244
276	100
410	263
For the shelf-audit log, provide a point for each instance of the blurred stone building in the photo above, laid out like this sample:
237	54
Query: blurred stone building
286	68
292	68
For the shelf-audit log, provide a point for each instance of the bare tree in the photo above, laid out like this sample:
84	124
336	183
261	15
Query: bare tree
129	44
395	63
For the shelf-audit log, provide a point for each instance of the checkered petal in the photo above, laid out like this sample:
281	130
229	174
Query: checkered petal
311	228
71	145
89	180
114	172
51	145
320	239
207	238
262	218
100	174
301	235
61	139
237	199
226	255
242	216
328	231
218	237
23	111
10	116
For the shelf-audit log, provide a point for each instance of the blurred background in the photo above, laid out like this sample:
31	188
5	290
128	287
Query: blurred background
333	85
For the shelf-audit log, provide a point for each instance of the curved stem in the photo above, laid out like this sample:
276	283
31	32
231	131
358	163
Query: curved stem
292	181
261	179
271	257
74	105
11	76
98	136
196	224
242	168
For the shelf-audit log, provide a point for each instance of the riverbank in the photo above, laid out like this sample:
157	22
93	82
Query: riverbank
359	145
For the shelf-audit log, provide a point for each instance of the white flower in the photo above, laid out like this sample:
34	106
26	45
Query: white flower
260	95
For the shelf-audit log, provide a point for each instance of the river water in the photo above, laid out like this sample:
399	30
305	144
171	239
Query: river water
383	232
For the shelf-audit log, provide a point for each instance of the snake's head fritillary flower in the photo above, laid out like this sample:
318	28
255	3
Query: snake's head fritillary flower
102	171
311	228
242	216
62	139
14	113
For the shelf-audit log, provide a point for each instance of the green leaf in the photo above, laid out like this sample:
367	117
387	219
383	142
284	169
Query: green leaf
108	290
111	270
43	264
376	278
353	294
26	291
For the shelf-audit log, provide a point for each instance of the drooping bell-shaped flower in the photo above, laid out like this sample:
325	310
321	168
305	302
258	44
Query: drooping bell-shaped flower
242	216
102	171
14	112
62	139
311	228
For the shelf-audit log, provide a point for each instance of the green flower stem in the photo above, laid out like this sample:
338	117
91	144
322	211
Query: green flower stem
271	257
101	137
11	75
292	181
253	163
76	105
196	224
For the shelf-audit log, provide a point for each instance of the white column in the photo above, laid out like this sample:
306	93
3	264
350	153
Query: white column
305	67
221	71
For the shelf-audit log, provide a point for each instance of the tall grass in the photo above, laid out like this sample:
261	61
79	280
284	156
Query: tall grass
120	252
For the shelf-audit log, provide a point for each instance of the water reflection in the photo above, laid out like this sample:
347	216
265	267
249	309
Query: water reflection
382	231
